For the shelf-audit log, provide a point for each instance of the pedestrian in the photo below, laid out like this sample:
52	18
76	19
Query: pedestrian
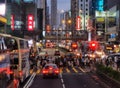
38	63
107	62
118	65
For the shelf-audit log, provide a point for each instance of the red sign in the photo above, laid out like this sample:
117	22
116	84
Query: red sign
12	22
30	22
78	23
48	28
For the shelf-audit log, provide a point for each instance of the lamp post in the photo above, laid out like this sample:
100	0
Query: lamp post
105	25
5	26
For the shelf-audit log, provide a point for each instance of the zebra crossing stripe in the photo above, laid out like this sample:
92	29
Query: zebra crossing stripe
67	70
38	71
74	70
61	70
81	69
31	71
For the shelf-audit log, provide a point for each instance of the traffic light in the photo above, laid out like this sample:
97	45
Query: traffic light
93	45
74	45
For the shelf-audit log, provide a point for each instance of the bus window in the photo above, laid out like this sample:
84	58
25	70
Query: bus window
15	61
24	44
11	43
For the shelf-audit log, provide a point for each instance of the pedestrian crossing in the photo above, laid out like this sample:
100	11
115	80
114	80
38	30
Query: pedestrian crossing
64	70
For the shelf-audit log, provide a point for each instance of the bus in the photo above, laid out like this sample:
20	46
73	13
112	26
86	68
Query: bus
14	58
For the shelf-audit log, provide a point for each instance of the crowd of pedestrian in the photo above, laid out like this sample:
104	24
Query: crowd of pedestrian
73	60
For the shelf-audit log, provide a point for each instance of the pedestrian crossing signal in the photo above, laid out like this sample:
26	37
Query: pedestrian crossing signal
93	45
74	45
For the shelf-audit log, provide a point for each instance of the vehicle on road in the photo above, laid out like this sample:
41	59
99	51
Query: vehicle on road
14	58
50	70
57	53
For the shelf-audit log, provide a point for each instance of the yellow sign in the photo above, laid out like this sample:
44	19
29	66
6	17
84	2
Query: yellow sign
109	48
3	19
100	19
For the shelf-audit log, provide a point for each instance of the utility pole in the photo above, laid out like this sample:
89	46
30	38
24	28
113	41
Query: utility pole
5	25
23	17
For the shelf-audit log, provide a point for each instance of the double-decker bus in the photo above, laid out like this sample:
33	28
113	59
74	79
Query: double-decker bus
14	59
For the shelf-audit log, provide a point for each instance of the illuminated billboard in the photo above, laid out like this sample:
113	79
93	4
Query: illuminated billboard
27	1
78	23
100	5
30	19
2	9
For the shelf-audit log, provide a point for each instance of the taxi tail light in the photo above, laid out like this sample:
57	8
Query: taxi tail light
45	71
56	70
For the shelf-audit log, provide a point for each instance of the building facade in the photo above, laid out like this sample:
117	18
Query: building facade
53	13
84	12
113	20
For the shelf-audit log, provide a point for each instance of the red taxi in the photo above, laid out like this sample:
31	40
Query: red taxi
50	70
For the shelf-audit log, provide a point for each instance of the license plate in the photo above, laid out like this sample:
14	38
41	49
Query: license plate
50	71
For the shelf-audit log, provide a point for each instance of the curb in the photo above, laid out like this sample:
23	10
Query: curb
111	82
95	77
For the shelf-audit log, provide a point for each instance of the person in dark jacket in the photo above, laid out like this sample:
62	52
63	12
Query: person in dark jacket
118	64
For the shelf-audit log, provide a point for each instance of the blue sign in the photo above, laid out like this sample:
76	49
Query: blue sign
112	35
100	5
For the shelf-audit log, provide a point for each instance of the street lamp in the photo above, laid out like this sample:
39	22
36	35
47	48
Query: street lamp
105	25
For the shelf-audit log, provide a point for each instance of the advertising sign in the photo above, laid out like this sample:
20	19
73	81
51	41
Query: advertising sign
2	9
30	19
78	23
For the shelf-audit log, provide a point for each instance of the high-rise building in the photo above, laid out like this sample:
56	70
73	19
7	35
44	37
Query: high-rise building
53	13
84	12
74	14
112	21
41	5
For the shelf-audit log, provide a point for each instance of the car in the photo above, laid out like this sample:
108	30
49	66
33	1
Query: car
114	56
50	70
57	53
42	53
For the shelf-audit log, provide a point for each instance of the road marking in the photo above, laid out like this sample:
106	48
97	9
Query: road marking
60	75
31	71
29	82
63	85
81	69
38	71
61	70
67	70
62	81
74	70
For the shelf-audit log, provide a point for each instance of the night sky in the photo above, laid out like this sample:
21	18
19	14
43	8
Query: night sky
62	4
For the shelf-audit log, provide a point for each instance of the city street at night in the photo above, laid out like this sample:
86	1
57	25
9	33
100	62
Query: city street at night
68	80
59	43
